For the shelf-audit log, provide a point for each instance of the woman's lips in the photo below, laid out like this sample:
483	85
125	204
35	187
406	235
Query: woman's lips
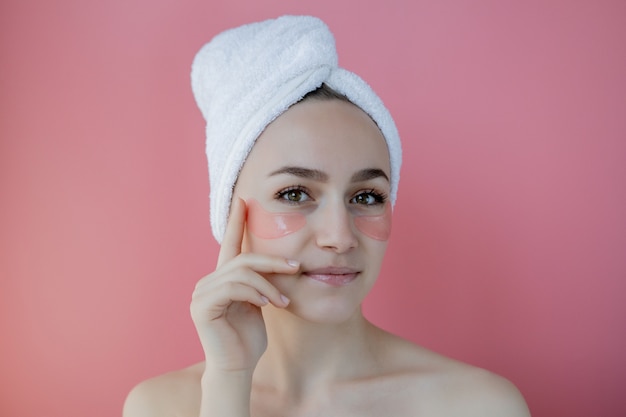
335	276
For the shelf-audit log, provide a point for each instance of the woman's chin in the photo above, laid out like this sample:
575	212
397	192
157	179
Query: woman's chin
329	311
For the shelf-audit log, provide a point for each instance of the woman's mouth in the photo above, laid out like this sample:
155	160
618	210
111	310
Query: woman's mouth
335	276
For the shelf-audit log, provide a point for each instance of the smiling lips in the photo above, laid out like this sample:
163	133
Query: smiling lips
334	276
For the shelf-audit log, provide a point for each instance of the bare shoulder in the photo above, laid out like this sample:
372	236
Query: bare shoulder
476	392
175	393
441	386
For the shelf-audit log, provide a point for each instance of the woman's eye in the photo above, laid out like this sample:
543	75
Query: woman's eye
368	198
293	196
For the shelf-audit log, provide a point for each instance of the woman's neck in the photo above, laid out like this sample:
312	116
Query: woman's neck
304	357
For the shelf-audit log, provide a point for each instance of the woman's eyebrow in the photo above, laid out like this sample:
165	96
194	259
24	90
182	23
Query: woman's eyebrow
317	175
312	174
368	174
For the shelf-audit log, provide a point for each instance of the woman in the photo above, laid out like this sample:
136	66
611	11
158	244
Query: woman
304	164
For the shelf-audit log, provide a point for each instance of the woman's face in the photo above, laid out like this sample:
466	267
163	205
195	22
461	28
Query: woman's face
316	186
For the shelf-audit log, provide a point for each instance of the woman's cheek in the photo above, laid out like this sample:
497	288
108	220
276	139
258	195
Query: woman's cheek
376	227
267	225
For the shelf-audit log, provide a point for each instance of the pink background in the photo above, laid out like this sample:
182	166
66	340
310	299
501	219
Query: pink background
509	250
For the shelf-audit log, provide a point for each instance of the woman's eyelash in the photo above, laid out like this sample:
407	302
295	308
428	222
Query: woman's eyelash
381	197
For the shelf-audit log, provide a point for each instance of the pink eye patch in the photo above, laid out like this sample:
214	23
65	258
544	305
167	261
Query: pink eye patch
376	227
267	225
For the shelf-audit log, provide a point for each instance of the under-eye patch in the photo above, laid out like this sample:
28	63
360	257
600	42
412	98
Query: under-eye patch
377	227
267	225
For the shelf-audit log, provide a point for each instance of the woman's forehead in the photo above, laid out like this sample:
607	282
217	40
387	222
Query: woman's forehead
321	132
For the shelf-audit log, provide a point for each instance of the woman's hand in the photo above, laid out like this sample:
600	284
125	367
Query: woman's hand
226	305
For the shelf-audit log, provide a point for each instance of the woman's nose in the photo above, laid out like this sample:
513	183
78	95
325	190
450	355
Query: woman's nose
335	229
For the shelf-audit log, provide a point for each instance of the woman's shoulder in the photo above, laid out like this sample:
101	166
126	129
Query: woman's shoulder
440	385
172	393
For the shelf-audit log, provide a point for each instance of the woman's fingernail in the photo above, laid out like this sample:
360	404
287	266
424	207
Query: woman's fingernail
285	299
264	299
293	263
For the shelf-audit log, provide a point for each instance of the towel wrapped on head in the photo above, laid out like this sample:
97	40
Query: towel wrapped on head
246	77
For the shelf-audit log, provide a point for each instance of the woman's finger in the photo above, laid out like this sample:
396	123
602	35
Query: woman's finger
233	237
213	304
244	276
260	263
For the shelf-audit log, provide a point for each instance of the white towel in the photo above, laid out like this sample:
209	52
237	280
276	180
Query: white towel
247	76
